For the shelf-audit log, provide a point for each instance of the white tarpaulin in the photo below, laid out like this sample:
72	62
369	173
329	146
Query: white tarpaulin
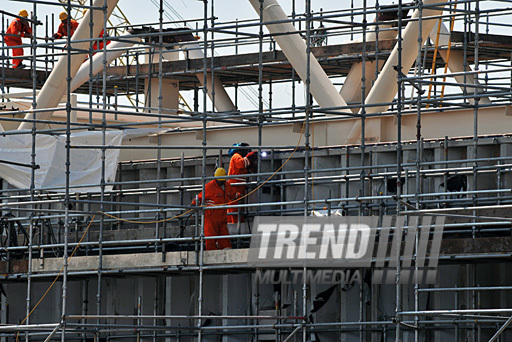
51	157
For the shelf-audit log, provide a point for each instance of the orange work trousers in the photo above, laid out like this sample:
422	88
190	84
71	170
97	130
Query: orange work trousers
216	227
234	211
15	51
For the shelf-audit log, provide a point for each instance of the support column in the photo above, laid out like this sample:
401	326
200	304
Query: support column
235	297
294	49
170	88
386	86
351	89
456	63
216	91
54	88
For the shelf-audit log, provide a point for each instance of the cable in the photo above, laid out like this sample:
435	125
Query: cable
279	169
56	278
215	205
182	228
145	222
452	23
150	222
436	48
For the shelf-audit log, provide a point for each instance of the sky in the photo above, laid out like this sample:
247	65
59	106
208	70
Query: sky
146	11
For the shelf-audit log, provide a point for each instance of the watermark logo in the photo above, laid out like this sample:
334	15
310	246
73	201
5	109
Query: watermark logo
316	276
344	243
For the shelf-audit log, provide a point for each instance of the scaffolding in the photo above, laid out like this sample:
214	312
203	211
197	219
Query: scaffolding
418	128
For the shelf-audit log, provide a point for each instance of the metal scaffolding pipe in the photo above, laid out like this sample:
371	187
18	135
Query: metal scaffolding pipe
113	50
455	60
249	317
294	49
385	87
454	312
216	90
29	327
146	242
53	89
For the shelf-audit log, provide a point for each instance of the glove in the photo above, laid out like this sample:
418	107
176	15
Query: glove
252	156
55	36
196	201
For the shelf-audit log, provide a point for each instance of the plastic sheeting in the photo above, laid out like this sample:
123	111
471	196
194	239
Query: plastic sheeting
323	212
51	157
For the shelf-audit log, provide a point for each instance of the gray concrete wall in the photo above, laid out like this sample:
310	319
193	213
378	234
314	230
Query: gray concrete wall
233	294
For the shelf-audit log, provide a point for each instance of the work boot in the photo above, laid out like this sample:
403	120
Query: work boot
21	66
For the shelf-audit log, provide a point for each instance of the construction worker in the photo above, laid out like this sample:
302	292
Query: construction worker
18	28
63	27
98	46
217	192
241	163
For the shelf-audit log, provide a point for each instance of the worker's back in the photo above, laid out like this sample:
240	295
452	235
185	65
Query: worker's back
238	165
19	28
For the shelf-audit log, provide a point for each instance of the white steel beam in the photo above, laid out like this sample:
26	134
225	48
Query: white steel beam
386	87
214	87
112	51
294	49
54	88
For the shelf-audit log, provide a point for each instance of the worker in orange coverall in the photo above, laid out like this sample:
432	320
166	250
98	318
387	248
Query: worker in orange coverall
217	192
63	27
242	162
17	29
98	46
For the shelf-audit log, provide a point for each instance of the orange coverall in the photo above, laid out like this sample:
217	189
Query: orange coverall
237	166
63	29
215	223
99	45
18	29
